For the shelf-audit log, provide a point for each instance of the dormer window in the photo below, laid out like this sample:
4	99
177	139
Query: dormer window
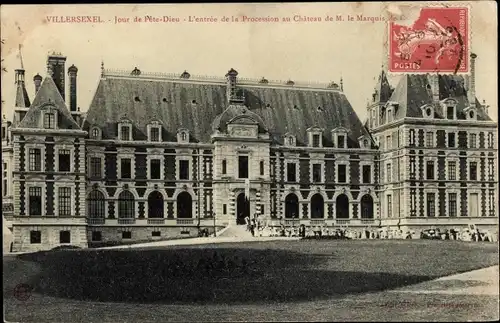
450	106
364	142
315	137
49	120
339	137
289	140
125	130
427	111
470	113
154	131
183	135
95	133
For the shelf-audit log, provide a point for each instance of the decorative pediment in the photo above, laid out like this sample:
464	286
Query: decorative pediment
34	140
340	130
315	129
243	130
155	122
243	119
449	102
427	111
125	120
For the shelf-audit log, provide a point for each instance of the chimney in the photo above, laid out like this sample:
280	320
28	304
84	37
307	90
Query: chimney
433	80
72	71
56	69
37	79
231	94
471	91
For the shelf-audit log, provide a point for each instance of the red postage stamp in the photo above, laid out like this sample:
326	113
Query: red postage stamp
437	41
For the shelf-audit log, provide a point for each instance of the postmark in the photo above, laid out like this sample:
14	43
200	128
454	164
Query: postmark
437	41
22	292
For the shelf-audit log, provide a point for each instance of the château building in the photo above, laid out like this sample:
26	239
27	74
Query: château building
160	155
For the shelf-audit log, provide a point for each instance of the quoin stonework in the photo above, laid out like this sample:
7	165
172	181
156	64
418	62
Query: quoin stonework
160	155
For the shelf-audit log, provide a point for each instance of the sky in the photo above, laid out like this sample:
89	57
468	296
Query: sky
298	50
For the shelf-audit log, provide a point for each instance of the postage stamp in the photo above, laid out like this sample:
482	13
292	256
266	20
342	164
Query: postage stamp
436	42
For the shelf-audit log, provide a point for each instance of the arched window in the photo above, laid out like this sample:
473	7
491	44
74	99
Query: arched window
95	205
342	206
367	207
126	205
95	133
155	205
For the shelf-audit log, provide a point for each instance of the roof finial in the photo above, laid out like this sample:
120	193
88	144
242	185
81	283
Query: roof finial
102	67
21	56
341	83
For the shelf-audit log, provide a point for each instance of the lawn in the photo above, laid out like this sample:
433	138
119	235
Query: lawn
224	281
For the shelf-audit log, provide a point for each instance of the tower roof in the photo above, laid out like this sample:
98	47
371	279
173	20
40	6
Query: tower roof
22	98
383	89
72	69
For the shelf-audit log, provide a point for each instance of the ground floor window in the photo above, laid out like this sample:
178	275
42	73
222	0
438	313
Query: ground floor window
35	237
156	233
96	235
127	235
64	237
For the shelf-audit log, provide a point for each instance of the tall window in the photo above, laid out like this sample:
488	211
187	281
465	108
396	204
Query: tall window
95	167
389	173
367	174
341	141
452	204
429	139
389	142
64	161
452	171
450	112
243	166
491	170
412	167
473	171
315	140
95	206
316	173
412	137
35	161
389	206
490	140
491	198
64	199
126	205
342	173
224	208
155	165
430	170
224	166
451	140
261	165
472	143
291	172
95	133
4	133
126	168
155	134
49	121
35	200
4	181
125	133
431	204
183	169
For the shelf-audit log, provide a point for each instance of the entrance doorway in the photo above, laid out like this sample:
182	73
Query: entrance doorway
242	208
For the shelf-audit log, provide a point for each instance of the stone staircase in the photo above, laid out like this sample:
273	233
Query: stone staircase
235	231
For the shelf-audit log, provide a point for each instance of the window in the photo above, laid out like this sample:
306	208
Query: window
49	121
125	133
430	170
452	171
389	206
4	133
291	172
367	174
96	207
155	134
412	137
412	167
183	169
472	143
95	167
64	199
316	173
389	173
290	141
126	168
35	162
155	165
451	140
96	235
473	171
5	181
183	136
450	112
389	142
126	235
156	233
452	204
490	140
64	237
243	166
315	141
491	170
431	204
341	141
224	209
95	133
35	237
262	209
261	167
224	166
342	173
35	200
429	139
491	198
126	205
64	161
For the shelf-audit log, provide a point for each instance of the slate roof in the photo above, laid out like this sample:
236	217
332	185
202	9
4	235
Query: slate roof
383	89
197	106
413	91
48	94
22	98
